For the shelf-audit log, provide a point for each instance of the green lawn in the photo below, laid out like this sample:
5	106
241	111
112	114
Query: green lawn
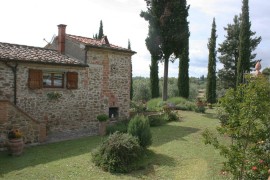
178	152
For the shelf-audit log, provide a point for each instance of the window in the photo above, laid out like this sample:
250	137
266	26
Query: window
38	79
53	79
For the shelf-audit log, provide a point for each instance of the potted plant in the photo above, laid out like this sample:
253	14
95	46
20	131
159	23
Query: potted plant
15	143
102	118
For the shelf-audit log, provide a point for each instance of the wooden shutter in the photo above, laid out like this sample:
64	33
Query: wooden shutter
72	80
35	79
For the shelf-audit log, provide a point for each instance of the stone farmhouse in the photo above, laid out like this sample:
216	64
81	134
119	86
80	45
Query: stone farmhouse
64	86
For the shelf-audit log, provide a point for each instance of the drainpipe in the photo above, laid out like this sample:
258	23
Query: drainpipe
14	70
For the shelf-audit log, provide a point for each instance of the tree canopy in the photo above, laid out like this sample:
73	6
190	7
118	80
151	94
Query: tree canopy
211	76
165	18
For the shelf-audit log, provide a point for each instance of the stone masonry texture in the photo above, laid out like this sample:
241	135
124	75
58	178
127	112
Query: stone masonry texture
104	84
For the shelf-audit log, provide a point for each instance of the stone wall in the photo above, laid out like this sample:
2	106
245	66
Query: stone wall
6	83
103	85
115	79
76	109
11	117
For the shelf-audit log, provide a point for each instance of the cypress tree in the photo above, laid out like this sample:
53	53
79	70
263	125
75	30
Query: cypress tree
100	32
211	76
244	64
183	48
166	20
152	43
154	79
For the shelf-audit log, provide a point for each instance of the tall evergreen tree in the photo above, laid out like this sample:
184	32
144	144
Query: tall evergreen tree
244	64
154	79
183	75
131	80
229	53
100	32
167	16
152	45
211	76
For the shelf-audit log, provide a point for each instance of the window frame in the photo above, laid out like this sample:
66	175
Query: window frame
69	80
53	79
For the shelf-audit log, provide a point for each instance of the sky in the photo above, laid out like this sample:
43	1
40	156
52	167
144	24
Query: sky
29	22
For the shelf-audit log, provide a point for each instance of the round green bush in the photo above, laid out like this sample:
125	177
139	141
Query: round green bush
102	117
140	128
118	153
156	120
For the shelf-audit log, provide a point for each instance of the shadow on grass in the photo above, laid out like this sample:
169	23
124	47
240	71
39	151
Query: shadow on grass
168	132
43	154
210	115
149	162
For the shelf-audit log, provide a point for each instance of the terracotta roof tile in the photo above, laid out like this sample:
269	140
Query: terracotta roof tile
103	43
34	54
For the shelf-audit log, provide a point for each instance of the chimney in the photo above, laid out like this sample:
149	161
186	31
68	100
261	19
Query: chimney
61	38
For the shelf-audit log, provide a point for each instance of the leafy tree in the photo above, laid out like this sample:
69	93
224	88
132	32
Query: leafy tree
165	17
183	75
211	76
141	89
246	123
266	71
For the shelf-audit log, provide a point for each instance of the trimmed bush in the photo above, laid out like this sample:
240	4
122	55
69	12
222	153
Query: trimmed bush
102	117
200	109
140	128
138	107
119	153
172	116
156	120
120	126
153	104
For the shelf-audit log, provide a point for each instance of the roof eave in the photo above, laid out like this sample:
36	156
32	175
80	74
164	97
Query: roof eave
110	48
39	62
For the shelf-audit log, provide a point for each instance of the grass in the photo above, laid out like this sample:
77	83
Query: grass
177	152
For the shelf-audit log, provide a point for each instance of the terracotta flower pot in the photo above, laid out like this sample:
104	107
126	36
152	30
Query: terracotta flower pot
102	128
15	146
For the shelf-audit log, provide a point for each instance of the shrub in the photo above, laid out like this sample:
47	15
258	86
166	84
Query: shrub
102	117
247	125
140	128
156	120
138	107
119	153
120	126
177	100
222	116
200	109
172	116
153	104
